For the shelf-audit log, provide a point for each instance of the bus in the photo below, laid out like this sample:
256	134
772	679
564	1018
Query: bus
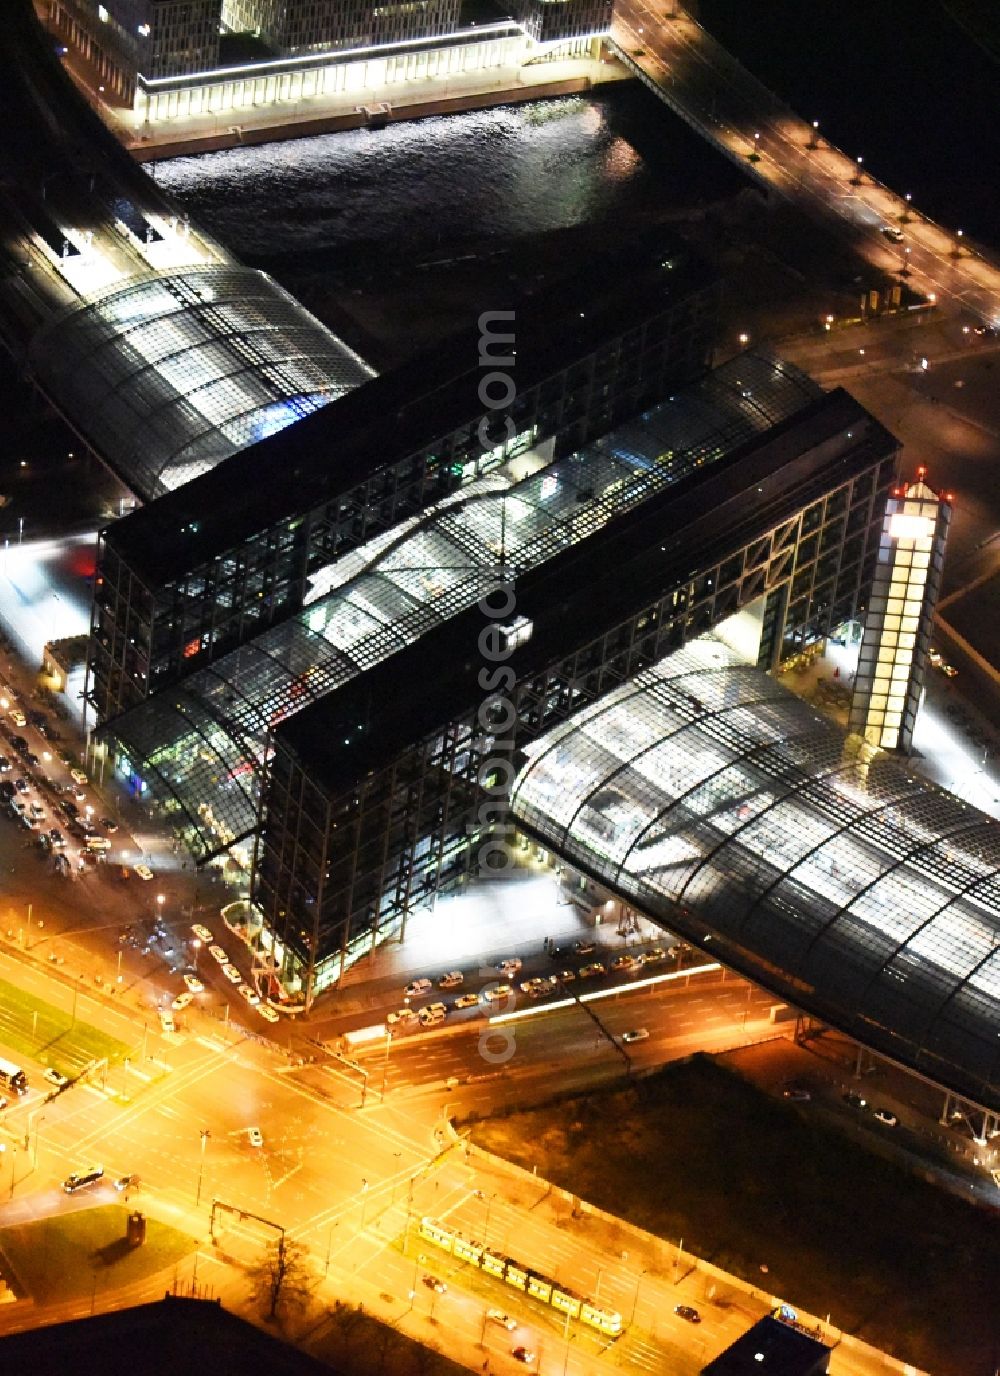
13	1077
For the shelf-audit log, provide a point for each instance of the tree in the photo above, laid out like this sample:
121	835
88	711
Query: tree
282	1277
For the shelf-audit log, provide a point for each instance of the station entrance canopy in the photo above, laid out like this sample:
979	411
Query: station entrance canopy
709	796
168	374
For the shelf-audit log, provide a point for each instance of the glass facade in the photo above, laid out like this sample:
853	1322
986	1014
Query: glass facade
200	747
894	648
711	798
174	594
352	838
169	375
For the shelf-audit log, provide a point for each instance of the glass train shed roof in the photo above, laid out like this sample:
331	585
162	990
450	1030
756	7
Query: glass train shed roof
168	375
720	804
200	746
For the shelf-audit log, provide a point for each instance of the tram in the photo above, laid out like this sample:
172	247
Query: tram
533	1283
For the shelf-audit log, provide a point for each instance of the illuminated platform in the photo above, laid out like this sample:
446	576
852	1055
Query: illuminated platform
706	794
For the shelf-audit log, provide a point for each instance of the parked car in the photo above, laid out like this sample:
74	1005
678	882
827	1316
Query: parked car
436	1284
416	987
193	983
589	971
110	825
166	1020
55	1077
251	995
504	1320
625	963
466	1001
232	974
403	1017
144	872
496	993
268	1013
884	1115
522	1354
218	955
182	1001
78	776
584	948
255	1137
687	1311
18	717
432	1014
638	1034
126	1182
452	980
202	932
563	977
509	967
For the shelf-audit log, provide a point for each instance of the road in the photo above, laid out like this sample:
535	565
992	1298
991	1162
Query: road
710	90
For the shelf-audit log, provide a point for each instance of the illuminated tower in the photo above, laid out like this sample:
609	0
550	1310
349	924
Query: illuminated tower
893	657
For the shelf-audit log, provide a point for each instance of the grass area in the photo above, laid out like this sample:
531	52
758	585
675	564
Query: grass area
47	1034
697	1152
352	1340
63	1257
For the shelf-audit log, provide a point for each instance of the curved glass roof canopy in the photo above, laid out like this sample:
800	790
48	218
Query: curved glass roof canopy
171	373
717	802
200	746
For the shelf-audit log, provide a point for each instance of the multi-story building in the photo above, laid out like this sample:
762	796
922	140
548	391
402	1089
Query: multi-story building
296	27
157	38
387	787
564	21
230	553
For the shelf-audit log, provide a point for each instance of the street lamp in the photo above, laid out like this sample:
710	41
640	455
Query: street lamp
856	179
905	217
957	250
635	1298
205	1135
814	136
385	1063
364	1201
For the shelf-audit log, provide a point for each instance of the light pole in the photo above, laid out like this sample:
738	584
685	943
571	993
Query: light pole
486	1223
856	179
635	1297
205	1135
814	136
385	1063
364	1201
905	217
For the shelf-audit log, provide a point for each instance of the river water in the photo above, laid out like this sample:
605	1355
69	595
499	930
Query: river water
342	202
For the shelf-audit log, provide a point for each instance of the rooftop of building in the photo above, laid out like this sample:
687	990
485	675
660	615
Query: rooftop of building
401	412
772	1347
571	600
164	1338
720	804
202	740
